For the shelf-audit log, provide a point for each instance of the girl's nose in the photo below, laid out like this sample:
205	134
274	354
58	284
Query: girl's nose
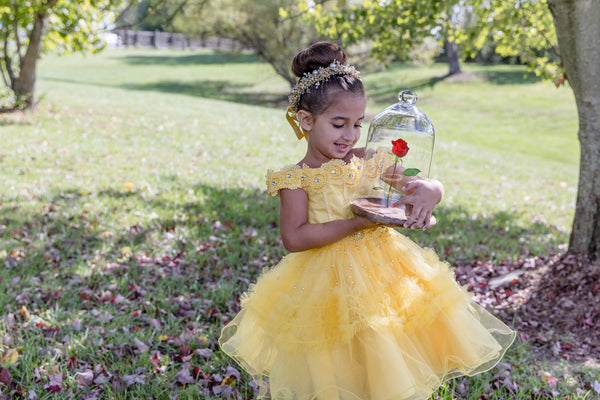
350	133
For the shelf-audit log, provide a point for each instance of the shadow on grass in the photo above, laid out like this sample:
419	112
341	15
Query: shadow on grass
508	77
74	236
159	265
216	57
217	90
66	231
209	89
383	92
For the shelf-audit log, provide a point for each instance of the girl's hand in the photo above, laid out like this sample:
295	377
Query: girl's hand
422	195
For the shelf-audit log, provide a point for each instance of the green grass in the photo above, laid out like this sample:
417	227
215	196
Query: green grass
132	206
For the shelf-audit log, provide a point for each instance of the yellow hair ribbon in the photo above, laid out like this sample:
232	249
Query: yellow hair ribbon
293	120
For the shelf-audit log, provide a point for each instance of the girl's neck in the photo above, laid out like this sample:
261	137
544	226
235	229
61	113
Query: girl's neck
313	162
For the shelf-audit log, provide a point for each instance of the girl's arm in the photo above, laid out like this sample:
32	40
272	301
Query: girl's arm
298	235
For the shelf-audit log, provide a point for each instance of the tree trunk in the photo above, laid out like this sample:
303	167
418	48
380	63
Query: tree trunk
452	57
578	34
24	85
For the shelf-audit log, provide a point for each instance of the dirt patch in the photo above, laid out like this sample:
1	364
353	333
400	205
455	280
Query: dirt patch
553	302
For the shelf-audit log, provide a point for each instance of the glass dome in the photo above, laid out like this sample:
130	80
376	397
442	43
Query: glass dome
382	168
403	120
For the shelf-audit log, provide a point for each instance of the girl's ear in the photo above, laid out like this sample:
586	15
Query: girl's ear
305	119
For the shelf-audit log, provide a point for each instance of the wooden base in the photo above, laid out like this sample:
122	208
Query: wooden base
375	210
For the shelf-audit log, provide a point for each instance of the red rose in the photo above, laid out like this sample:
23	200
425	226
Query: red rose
400	148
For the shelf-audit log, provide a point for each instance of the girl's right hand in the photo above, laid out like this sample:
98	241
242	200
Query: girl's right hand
422	196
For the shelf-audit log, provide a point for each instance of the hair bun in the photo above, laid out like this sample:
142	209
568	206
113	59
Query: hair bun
319	54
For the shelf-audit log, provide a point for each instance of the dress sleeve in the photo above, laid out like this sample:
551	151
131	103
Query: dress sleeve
288	178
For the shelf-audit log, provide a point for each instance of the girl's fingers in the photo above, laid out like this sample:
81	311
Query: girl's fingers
427	222
414	217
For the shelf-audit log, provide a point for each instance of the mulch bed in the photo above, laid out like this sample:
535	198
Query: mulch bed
553	302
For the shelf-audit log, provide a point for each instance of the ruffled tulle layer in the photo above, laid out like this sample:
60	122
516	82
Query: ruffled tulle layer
373	316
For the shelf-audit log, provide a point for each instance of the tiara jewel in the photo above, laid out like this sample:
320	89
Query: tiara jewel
315	78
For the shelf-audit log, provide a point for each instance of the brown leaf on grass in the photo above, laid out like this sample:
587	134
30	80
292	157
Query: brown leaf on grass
134	379
206	353
142	347
596	386
76	324
55	383
8	358
9	321
155	360
183	376
85	378
5	376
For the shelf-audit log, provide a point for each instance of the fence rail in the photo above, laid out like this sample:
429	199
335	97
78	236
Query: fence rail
162	40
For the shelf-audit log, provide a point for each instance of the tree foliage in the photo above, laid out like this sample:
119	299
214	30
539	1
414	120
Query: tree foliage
516	28
522	29
28	28
161	15
394	26
275	29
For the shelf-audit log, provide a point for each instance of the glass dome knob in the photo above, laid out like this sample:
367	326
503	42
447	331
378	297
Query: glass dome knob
408	97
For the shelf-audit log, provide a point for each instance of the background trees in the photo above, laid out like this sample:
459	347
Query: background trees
28	28
275	29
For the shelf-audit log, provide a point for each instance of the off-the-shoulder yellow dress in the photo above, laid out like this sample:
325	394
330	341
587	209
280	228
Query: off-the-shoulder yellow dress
372	316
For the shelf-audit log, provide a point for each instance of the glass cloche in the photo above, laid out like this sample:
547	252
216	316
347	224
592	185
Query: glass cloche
399	144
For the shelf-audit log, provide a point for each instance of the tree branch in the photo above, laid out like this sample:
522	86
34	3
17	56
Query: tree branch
8	64
178	9
2	71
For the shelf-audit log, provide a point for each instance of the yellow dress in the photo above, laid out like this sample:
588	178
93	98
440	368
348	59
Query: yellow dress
372	316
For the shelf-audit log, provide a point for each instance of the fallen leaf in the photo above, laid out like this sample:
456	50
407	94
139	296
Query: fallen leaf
133	379
184	376
9	357
76	324
596	387
5	376
85	378
142	347
206	353
155	360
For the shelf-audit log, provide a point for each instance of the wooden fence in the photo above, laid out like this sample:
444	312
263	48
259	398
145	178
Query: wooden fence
162	40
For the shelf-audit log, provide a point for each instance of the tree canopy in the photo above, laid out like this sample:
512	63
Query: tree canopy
514	29
28	28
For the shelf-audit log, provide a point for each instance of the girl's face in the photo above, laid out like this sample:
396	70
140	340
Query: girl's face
335	131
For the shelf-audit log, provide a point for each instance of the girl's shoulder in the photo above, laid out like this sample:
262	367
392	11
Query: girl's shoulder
308	178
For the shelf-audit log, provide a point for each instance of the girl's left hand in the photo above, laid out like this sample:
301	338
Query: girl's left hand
422	195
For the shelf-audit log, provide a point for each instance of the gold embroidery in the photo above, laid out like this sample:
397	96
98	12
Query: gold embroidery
295	177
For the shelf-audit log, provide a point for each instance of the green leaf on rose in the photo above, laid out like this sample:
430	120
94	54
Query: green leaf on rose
411	171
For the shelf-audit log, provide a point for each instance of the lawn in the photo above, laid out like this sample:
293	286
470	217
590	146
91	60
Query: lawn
133	214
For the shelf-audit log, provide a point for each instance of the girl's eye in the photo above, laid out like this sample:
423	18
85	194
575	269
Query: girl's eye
338	126
358	126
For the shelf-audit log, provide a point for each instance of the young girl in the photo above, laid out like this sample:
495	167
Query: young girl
357	310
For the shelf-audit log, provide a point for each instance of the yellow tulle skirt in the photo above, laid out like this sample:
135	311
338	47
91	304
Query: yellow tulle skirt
373	316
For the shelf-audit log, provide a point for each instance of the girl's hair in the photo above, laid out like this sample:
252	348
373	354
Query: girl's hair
320	97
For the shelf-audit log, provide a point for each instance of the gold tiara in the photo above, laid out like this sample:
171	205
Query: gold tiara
315	78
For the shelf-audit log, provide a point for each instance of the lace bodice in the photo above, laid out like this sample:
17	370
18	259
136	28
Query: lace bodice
330	187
